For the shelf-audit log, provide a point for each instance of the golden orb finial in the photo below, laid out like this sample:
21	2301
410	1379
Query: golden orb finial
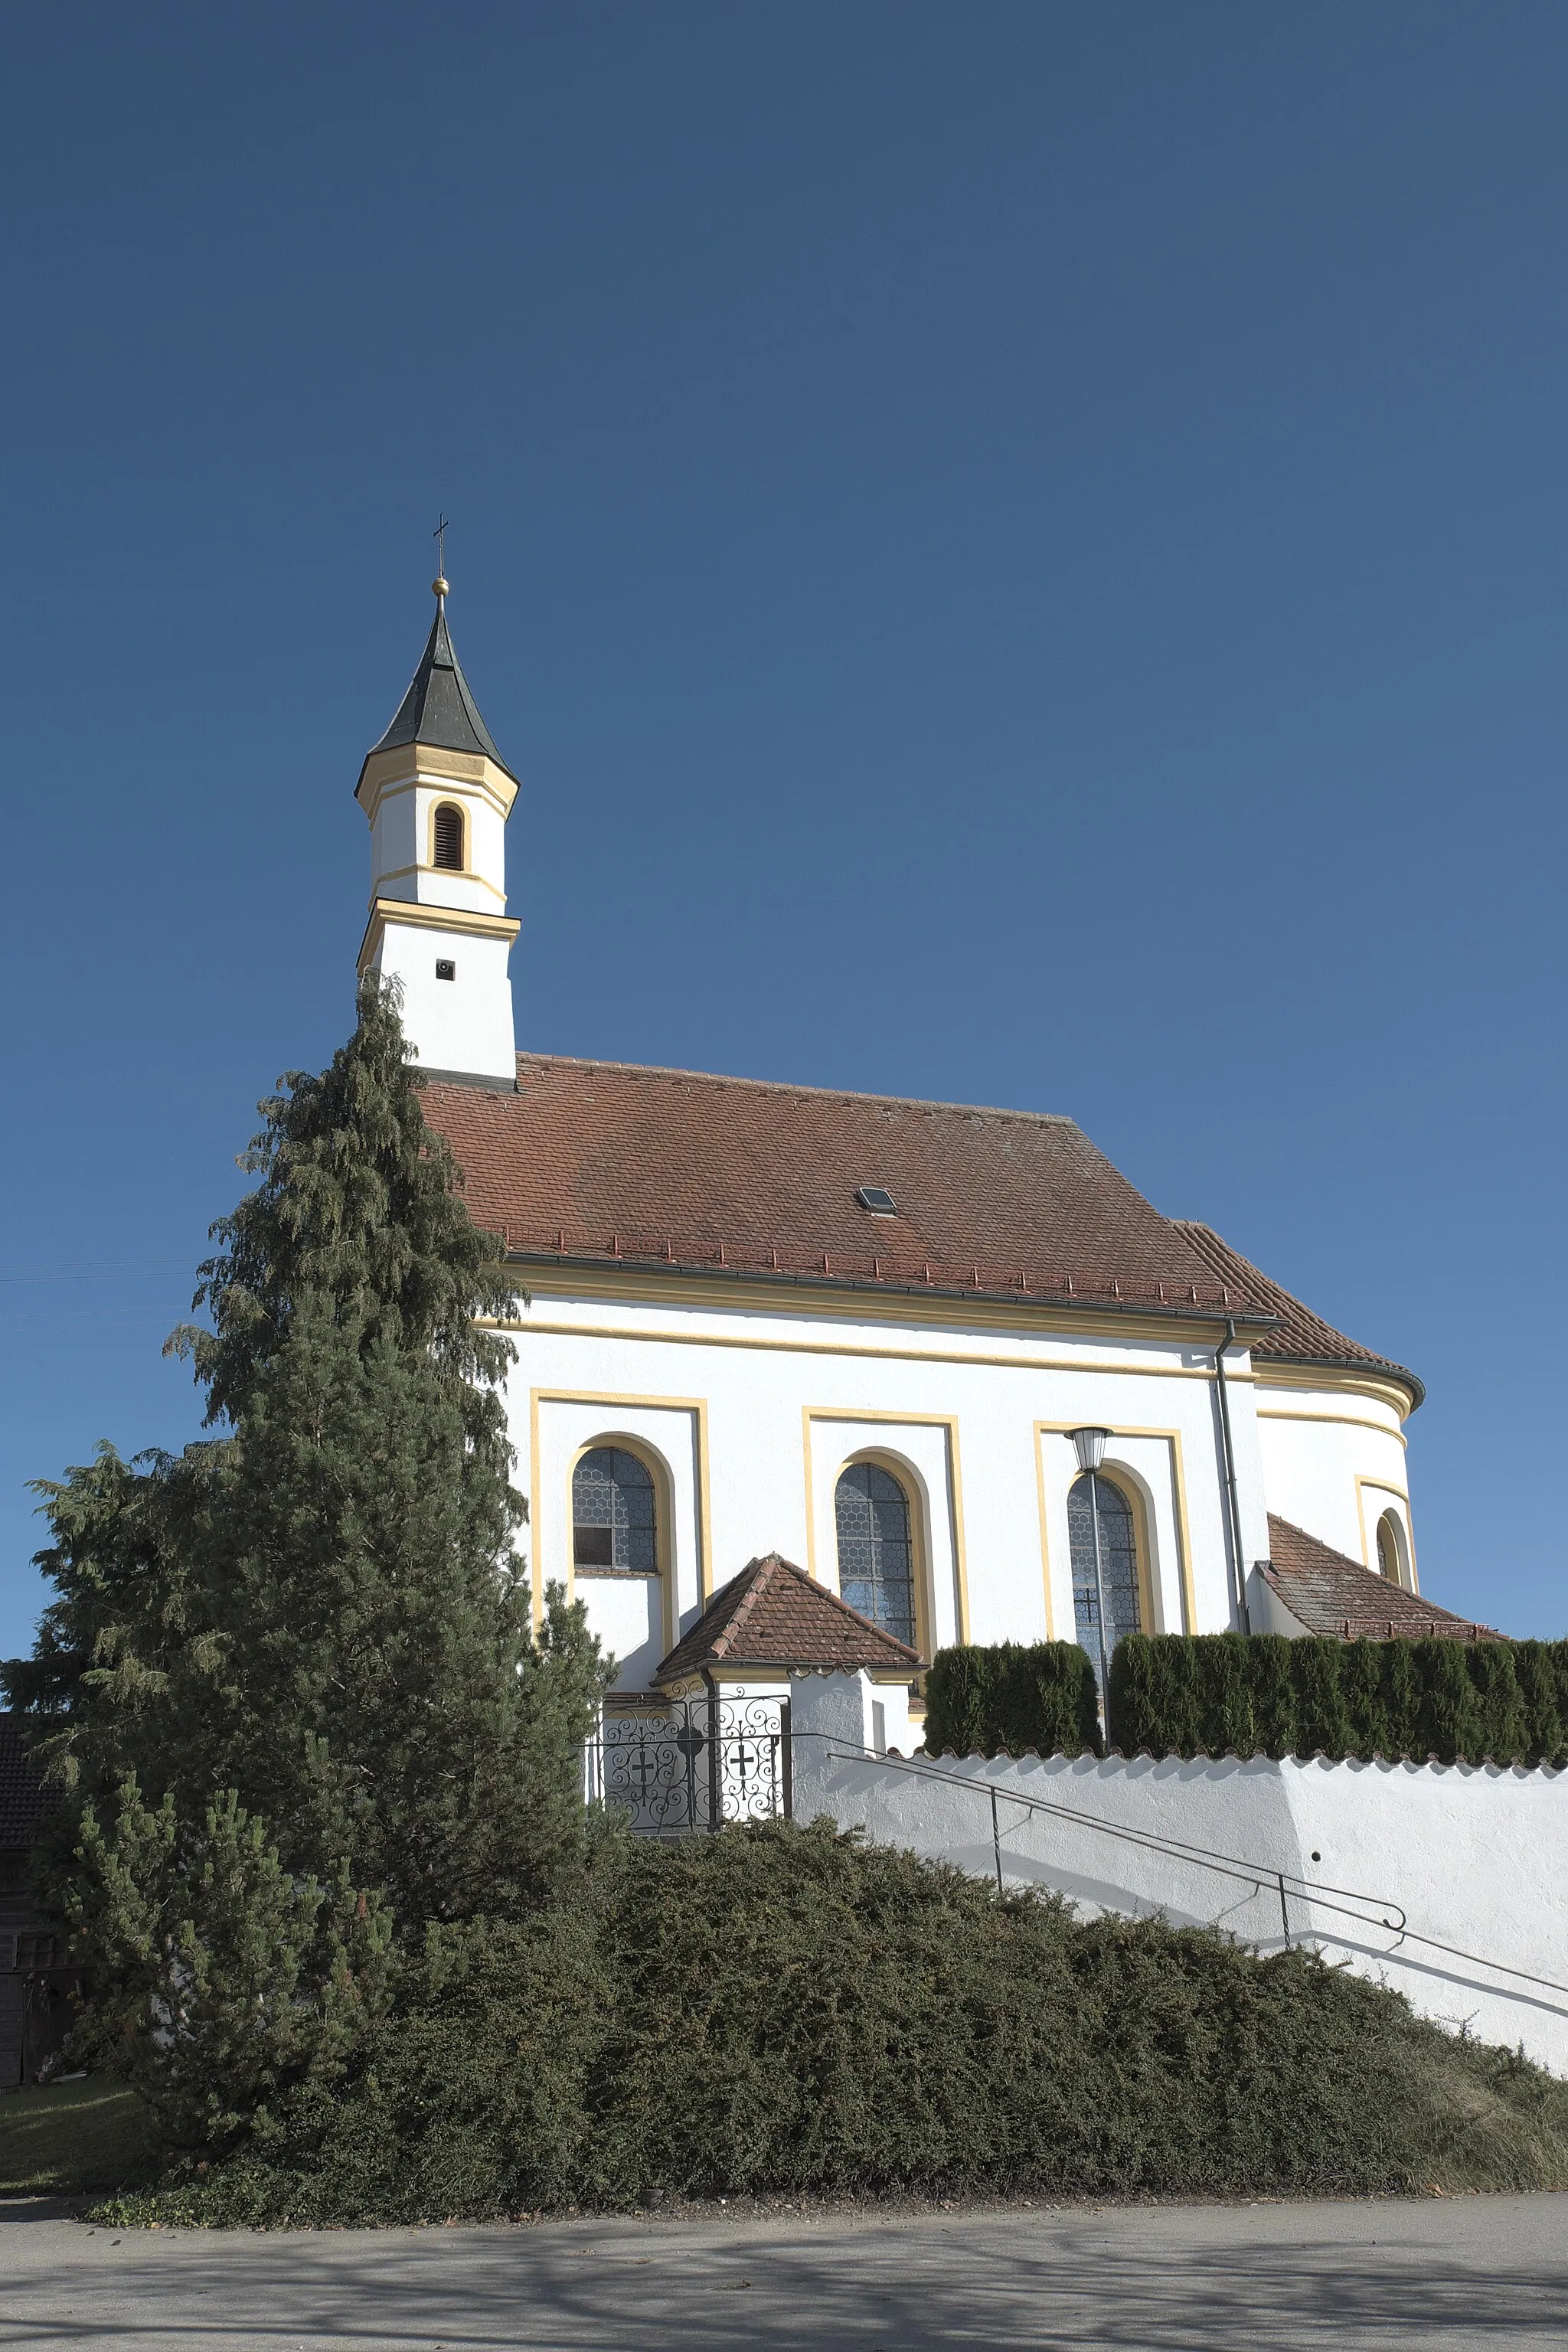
437	586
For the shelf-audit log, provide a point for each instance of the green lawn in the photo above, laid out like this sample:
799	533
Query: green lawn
91	2135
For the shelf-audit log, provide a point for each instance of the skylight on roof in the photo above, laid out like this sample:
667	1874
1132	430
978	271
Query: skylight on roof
872	1197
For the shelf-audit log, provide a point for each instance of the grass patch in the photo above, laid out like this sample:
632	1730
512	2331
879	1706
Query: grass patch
73	2136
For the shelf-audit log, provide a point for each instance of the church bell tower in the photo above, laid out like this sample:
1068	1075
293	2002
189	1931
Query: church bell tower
437	795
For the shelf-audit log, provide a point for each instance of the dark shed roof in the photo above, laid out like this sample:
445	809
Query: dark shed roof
23	1798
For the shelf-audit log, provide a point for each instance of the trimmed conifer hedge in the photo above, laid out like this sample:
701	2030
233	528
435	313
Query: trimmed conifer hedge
1261	1695
1010	1697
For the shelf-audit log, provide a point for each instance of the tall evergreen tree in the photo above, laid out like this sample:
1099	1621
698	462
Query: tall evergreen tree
318	1614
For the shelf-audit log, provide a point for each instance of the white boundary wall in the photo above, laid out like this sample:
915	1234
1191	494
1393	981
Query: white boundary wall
1476	1858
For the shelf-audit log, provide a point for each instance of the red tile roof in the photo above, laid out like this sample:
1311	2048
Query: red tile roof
772	1616
606	1160
1300	1336
1330	1593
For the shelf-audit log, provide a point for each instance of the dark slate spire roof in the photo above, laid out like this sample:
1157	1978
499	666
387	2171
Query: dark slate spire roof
438	707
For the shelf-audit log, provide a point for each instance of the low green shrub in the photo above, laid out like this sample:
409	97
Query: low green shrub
789	2010
1012	1697
1506	1702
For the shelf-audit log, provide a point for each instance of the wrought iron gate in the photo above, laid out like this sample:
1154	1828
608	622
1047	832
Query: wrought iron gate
694	1765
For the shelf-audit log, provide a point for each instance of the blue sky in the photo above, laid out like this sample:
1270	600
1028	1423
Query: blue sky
1019	552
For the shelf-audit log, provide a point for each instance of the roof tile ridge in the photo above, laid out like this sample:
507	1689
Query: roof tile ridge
1332	1551
823	1592
1277	1518
1187	1229
1234	1257
791	1086
1196	1231
710	1640
723	1639
1353	1351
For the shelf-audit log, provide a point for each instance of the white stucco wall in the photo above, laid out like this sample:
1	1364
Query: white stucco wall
637	1618
1475	1859
831	1712
463	1023
1334	1465
401	847
772	1398
766	1403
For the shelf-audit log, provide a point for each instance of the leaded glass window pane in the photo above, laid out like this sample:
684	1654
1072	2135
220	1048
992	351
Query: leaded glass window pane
613	1521
1118	1564
876	1557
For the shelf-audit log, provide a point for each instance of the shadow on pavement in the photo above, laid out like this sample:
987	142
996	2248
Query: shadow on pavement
1476	2272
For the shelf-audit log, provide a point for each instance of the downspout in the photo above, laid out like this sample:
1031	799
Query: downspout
1241	1618
715	1774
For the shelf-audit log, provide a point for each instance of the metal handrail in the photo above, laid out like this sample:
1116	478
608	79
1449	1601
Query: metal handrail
1233	1867
1224	1865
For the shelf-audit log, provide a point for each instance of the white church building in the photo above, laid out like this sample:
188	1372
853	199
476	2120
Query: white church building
856	1348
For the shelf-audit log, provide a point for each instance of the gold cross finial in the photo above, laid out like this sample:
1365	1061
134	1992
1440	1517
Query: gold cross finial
438	585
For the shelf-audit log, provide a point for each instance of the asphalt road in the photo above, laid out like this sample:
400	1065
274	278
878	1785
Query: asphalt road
1438	2275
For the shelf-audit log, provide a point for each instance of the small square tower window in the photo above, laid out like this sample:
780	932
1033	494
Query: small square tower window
445	969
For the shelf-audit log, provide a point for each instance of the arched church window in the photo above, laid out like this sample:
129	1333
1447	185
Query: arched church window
615	1524
449	837
876	1551
1388	1548
1094	1500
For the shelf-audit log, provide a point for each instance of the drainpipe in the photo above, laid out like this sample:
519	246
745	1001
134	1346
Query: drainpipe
715	1769
1229	1341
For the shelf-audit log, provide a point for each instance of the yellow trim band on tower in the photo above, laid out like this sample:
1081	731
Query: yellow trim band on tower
417	917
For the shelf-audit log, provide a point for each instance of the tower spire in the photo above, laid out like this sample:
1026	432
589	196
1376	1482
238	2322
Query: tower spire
437	795
439	708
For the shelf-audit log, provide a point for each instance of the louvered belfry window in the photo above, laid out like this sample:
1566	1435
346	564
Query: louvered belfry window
876	1553
449	837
